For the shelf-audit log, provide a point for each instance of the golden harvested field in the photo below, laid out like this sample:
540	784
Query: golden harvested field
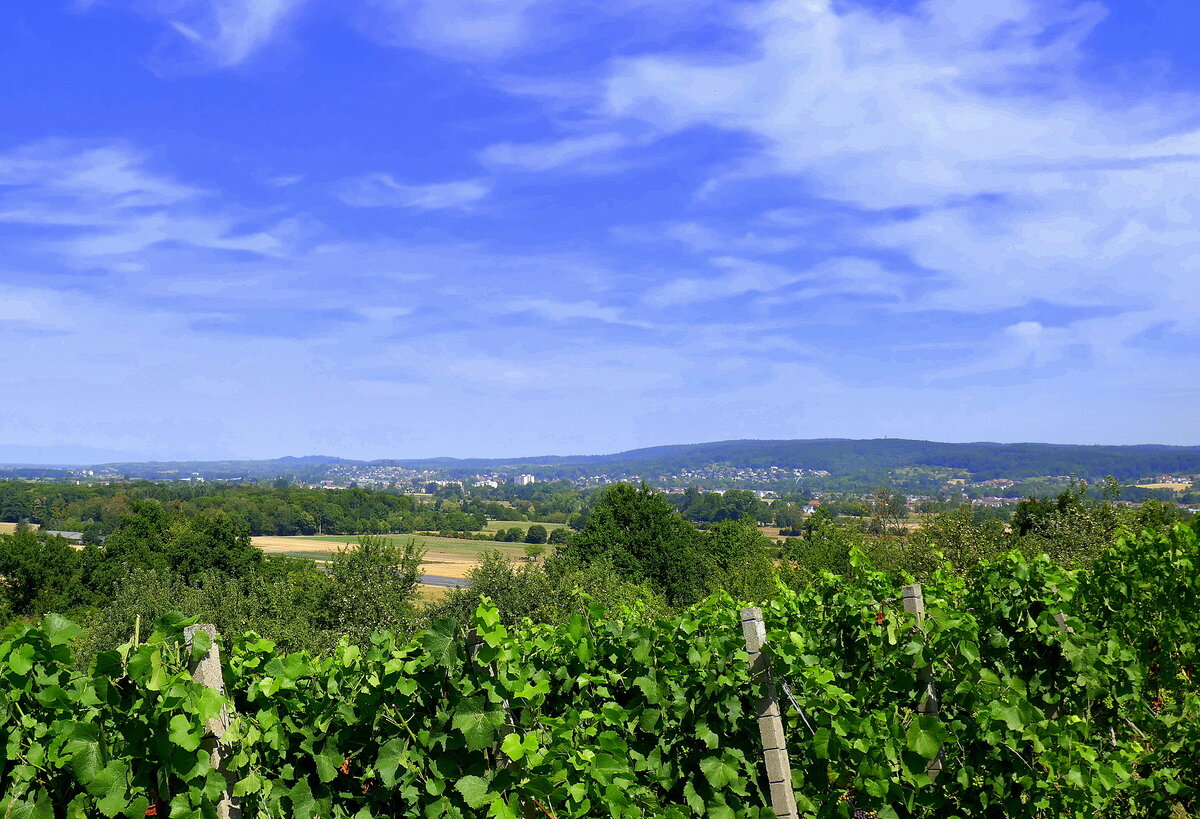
428	594
1178	487
8	528
444	556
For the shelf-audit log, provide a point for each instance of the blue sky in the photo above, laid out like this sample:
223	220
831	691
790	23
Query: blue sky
403	228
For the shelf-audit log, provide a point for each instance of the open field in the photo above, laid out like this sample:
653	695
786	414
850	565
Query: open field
428	594
465	546
8	528
497	525
444	556
1178	487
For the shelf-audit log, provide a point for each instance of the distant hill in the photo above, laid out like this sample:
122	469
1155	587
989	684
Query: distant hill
872	457
858	460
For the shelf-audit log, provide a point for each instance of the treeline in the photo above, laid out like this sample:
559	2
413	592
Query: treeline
628	544
640	547
562	502
96	509
157	560
632	546
552	502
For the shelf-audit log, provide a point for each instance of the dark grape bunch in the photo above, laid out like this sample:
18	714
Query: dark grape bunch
865	814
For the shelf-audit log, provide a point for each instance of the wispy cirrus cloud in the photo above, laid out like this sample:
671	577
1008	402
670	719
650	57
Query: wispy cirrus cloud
961	139
108	202
227	32
570	153
381	190
462	29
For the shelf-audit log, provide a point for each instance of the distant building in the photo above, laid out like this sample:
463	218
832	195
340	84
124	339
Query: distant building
71	537
524	480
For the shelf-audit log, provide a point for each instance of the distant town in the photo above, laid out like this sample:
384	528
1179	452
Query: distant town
817	486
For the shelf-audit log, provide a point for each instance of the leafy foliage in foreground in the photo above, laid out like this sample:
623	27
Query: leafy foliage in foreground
603	717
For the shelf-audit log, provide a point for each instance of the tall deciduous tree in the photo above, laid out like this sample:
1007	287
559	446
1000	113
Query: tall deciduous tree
638	533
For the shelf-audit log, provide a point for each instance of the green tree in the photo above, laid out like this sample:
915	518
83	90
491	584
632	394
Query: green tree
1158	516
372	586
824	546
638	533
789	517
138	542
740	558
213	542
39	573
965	541
536	534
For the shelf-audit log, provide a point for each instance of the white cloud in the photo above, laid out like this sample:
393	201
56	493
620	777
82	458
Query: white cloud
1020	344
779	284
91	172
229	31
114	204
26	307
1021	182
381	190
929	100
383	313
543	156
739	276
564	310
285	180
461	29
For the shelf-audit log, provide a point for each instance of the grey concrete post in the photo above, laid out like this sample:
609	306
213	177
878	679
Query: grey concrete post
770	721
207	672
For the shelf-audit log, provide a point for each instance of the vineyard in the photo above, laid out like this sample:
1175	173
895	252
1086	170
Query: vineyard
1061	693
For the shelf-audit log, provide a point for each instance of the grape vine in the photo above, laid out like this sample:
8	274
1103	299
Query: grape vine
1092	713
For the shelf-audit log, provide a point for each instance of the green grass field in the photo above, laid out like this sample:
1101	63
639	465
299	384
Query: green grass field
497	525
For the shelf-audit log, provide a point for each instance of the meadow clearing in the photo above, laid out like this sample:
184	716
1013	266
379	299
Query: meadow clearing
7	528
498	525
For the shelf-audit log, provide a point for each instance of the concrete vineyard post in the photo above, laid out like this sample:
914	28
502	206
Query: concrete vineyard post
770	721
914	604
207	672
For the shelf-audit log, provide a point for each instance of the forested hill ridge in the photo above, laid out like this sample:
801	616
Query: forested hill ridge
867	461
844	456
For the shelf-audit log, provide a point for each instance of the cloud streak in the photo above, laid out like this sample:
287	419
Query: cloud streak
381	190
111	203
229	31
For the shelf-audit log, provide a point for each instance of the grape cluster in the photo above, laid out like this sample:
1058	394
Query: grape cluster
865	814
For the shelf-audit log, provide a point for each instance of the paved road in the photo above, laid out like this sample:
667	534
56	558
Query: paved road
450	582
